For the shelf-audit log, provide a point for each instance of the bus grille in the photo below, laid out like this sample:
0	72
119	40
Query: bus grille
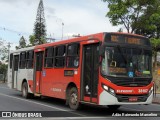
125	98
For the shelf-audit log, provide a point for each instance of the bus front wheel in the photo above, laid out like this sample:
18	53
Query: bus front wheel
25	93
73	99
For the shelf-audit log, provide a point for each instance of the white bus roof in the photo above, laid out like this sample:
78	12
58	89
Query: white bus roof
23	49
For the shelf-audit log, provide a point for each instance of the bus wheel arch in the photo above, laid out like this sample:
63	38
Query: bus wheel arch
24	88
72	95
24	80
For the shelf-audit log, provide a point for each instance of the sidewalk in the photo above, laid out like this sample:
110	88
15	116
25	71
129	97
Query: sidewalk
156	99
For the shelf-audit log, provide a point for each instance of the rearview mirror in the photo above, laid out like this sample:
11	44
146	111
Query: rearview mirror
113	64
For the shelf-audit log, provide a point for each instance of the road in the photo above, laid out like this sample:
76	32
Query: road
11	101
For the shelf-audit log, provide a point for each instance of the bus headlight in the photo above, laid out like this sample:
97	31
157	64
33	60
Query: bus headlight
108	89
150	91
105	87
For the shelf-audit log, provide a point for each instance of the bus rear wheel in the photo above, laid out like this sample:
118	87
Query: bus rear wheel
25	93
73	99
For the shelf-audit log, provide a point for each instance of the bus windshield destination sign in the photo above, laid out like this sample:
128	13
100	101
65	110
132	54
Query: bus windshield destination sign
127	39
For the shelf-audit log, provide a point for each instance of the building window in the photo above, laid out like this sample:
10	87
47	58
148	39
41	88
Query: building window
60	56
73	55
22	62
29	59
49	57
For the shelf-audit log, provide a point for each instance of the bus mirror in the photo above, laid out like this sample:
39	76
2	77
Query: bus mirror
113	64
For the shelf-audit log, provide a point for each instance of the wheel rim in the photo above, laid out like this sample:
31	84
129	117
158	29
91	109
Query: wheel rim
73	99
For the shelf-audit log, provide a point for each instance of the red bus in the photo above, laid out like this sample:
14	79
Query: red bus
110	69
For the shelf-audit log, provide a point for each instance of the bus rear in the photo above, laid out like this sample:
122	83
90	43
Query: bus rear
126	70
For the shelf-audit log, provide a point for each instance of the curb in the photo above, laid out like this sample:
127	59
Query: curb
156	100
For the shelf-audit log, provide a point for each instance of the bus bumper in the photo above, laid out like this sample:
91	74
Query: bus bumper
106	98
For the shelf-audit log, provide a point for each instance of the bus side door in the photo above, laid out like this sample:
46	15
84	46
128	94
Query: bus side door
90	65
38	71
15	71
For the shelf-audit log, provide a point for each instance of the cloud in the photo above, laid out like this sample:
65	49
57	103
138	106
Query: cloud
79	17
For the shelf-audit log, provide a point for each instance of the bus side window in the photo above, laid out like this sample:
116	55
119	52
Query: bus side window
29	59
49	57
60	56
73	55
11	61
22	63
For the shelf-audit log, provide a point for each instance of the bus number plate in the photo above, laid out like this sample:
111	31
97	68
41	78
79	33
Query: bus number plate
133	99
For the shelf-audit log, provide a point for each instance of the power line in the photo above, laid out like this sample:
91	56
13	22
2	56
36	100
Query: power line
14	31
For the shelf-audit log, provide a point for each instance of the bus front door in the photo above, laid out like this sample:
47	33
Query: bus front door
89	81
15	71
38	71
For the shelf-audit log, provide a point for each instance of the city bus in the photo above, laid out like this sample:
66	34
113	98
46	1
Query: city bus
107	69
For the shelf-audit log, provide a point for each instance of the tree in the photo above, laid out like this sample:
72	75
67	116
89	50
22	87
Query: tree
127	12
32	40
3	70
149	26
39	26
3	51
22	43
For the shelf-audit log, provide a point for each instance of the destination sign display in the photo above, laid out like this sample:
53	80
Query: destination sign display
127	39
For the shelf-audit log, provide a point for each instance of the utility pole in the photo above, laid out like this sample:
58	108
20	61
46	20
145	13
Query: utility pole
9	46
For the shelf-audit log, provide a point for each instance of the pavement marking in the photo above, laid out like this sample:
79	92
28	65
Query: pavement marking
42	104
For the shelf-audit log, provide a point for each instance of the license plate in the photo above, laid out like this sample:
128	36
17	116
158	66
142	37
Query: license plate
133	99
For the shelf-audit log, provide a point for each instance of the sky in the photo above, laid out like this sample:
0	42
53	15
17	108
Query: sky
82	17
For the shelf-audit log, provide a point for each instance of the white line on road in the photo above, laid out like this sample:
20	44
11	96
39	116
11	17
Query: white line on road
42	104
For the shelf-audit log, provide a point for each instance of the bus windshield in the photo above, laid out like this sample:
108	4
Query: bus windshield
126	62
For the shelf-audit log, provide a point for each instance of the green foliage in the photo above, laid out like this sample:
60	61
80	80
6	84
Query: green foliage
39	26
150	21
22	43
127	12
32	40
3	70
3	51
39	33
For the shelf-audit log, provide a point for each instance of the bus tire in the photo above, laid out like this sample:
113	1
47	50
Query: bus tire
73	99
113	107
25	93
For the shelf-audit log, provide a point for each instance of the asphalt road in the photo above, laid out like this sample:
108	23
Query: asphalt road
12	102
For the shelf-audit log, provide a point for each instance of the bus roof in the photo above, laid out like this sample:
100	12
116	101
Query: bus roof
23	49
99	36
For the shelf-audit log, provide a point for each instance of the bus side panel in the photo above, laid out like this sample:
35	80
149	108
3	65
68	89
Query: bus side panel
54	82
9	78
24	74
